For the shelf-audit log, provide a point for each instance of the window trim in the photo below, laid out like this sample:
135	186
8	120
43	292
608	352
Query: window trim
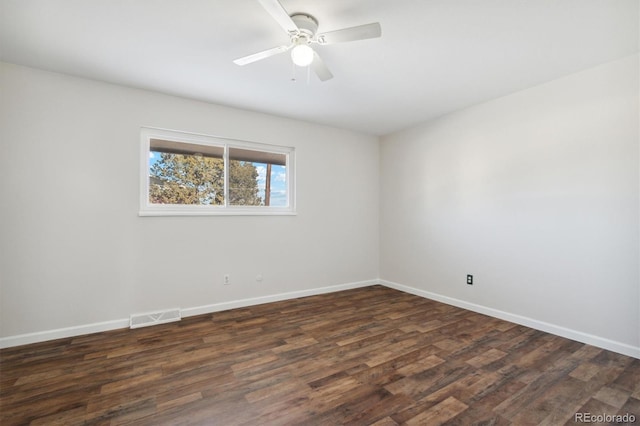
148	209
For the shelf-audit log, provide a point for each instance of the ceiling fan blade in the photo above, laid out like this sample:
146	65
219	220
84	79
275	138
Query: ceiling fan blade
281	16
261	55
320	68
361	32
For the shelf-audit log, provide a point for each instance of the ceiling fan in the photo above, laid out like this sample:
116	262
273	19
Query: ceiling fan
302	28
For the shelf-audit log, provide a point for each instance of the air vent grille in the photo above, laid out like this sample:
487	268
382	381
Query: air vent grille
153	318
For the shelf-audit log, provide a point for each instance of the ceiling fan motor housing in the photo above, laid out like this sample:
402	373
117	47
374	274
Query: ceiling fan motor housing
307	24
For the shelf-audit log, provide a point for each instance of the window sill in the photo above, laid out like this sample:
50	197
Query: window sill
220	212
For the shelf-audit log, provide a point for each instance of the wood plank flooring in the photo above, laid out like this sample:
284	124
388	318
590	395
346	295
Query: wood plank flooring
370	356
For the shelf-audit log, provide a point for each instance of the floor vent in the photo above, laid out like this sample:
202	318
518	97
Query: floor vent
153	318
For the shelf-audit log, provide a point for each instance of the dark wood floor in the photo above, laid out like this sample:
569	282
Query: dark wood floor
366	356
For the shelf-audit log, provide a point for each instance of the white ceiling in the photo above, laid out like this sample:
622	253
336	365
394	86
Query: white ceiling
434	56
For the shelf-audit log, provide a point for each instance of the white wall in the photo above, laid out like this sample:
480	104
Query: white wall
73	250
537	195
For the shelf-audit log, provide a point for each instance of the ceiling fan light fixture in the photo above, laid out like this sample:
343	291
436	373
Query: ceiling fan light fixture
302	55
302	29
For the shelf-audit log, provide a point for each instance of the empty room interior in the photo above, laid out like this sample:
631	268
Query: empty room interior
319	212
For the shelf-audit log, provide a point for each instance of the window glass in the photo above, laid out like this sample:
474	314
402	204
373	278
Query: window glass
187	174
257	178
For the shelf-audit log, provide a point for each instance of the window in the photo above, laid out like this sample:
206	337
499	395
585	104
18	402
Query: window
190	174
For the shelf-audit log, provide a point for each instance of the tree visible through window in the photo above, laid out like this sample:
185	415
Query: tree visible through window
243	184
186	179
187	173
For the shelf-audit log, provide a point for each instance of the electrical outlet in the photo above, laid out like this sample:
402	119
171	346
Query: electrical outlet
470	279
226	279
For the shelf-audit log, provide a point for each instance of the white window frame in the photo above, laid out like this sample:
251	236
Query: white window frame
148	209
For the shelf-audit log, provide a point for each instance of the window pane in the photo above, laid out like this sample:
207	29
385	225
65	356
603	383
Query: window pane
257	178
193	179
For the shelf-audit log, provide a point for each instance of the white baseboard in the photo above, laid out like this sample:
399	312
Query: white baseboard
43	336
61	333
579	336
243	303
